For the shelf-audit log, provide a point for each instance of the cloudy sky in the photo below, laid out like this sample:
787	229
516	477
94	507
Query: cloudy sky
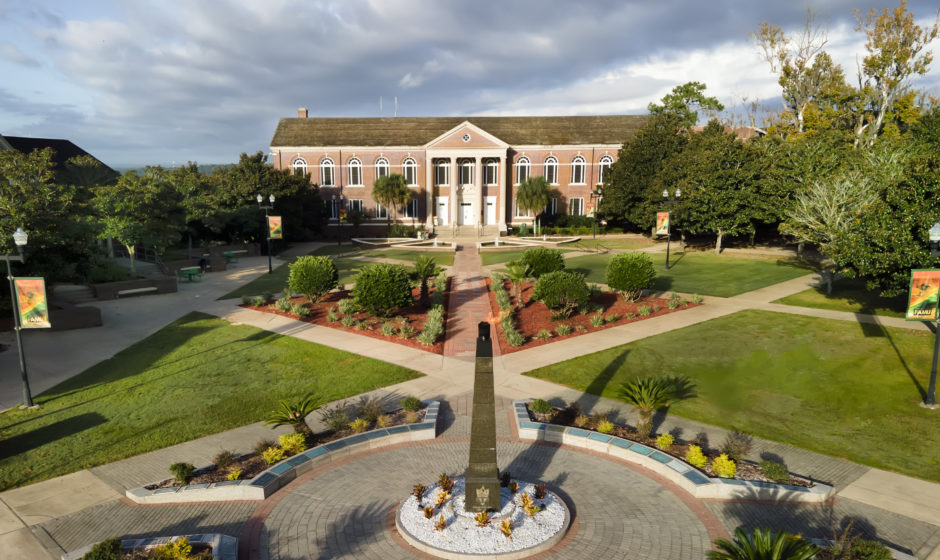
166	81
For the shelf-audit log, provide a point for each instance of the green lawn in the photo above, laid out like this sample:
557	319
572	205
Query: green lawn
701	273
836	387
347	267
197	376
497	256
330	250
849	295
587	243
442	258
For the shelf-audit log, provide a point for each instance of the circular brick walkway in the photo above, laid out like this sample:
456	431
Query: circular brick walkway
344	512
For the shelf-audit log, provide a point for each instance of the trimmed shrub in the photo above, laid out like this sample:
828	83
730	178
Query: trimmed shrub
388	329
283	304
108	549
644	311
440	286
258	301
381	288
411	403
724	466
597	320
562	330
292	444
605	426
359	425
406	332
369	408
541	406
775	471
870	550
273	455
246	299
182	471
515	338
312	276
562	291
331	315
630	273
696	299
542	260
347	321
695	457
348	306
300	310
664	441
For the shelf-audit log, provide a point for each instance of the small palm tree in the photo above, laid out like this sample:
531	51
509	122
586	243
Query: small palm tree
425	268
518	272
648	394
294	415
763	545
533	194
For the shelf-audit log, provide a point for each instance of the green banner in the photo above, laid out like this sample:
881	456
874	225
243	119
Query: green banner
32	303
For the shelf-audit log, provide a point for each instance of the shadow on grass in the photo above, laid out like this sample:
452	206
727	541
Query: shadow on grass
49	434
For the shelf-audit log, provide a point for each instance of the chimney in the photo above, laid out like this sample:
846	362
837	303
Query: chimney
302	113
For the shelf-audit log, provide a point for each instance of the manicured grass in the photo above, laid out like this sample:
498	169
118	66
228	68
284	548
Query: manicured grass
346	247
701	273
836	387
273	283
197	376
497	256
587	243
442	258
849	295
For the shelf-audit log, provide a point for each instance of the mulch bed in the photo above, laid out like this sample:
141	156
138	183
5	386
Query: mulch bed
415	315
746	470
253	464
535	316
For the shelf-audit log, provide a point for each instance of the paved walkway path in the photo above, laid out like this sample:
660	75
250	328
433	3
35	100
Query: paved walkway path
70	511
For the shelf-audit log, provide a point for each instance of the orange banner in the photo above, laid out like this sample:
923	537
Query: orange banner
662	223
922	300
275	229
31	303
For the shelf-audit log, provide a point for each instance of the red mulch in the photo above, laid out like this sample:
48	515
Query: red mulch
535	316
416	316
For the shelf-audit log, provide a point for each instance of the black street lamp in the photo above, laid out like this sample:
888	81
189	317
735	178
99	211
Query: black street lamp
267	233
931	401
669	204
19	238
596	194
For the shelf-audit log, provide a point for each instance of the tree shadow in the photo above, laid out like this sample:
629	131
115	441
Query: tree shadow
49	433
922	392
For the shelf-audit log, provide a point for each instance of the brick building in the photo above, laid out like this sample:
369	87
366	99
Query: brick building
462	171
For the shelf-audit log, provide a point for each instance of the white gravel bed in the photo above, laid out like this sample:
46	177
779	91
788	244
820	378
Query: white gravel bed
462	534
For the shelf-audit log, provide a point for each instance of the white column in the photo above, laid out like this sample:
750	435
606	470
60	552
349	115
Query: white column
501	205
478	184
429	221
454	177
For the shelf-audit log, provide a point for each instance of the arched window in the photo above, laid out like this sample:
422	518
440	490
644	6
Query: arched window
522	169
551	170
409	168
381	167
603	168
299	167
326	172
442	172
491	171
577	171
466	172
355	173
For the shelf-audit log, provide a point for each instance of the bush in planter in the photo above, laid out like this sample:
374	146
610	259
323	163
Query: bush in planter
870	550
381	288
411	403
182	471
562	291
292	444
665	441
775	471
312	276
736	445
630	273
542	260
109	549
224	460
762	544
724	466
336	417
695	457
541	406
273	455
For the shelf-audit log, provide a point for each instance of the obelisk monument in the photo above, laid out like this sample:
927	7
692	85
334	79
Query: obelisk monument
482	478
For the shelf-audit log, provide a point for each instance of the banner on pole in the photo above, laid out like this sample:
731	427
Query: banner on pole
31	303
922	299
662	223
275	229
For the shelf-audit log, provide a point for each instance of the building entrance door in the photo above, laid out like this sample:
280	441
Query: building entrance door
489	217
465	217
443	211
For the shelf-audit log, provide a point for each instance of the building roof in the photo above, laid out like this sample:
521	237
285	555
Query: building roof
64	149
418	131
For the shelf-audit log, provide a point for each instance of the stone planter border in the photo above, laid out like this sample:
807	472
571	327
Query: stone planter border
681	473
274	478
224	547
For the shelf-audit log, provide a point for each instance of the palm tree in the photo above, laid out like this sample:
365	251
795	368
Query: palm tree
648	394
425	268
518	272
533	194
391	191
763	545
294	415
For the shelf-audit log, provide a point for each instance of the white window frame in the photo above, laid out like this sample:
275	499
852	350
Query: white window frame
517	210
326	172
522	163
334	209
382	167
491	168
571	204
354	173
354	204
411	208
442	167
298	164
465	172
409	168
550	170
603	167
381	212
577	167
552	206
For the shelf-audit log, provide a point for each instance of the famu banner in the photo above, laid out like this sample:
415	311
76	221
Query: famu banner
31	302
922	300
275	229
662	223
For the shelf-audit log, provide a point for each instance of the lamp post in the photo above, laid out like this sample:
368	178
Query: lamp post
267	233
19	238
670	201
596	194
930	401
339	218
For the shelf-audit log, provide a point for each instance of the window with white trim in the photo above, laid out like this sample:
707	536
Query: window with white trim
354	168
522	169
552	206
354	204
491	171
411	208
577	171
299	167
326	172
380	211
381	167
551	170
465	170
576	206
334	209
518	210
442	173
603	168
409	168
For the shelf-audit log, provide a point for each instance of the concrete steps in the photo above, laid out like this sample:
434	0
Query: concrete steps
73	293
